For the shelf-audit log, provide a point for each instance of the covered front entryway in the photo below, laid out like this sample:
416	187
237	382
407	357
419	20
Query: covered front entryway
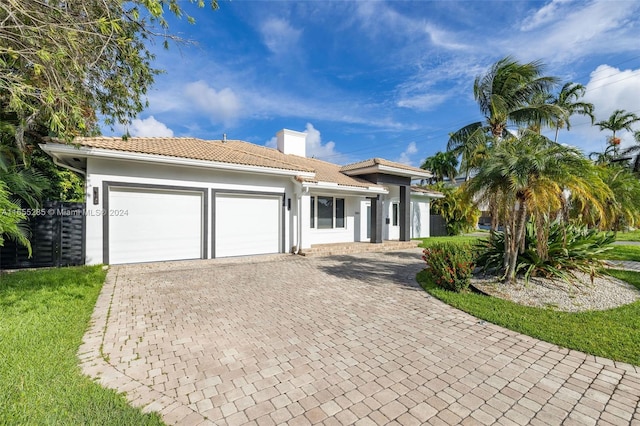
391	212
147	224
247	224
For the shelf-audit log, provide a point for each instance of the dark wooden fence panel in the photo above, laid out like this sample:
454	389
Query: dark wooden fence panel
437	226
57	238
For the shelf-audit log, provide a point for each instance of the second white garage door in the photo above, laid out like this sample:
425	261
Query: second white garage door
148	225
247	224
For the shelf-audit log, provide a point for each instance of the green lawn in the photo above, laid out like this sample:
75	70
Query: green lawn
426	242
628	236
43	316
623	253
613	334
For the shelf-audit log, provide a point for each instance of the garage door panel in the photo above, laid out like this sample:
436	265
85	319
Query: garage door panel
154	225
246	225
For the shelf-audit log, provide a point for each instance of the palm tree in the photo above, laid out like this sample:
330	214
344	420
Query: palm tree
471	148
12	220
539	114
619	120
442	164
505	93
634	149
20	186
568	100
621	202
527	177
509	93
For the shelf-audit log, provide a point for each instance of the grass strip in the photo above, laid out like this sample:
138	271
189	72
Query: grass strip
613	334
630	253
628	236
43	316
428	242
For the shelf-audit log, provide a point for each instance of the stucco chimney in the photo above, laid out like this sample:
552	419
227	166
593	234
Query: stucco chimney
292	142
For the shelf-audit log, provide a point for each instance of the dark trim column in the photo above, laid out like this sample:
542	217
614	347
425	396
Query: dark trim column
405	213
376	219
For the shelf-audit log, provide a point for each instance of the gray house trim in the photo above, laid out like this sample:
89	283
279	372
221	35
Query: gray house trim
383	178
405	213
107	185
376	220
214	192
405	205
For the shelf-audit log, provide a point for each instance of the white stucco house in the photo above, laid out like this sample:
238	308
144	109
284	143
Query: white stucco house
157	199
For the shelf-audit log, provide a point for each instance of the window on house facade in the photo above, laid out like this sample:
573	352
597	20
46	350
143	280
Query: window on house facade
395	213
327	212
313	212
339	212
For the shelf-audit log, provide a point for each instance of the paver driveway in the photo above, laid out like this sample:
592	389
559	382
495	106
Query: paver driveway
336	340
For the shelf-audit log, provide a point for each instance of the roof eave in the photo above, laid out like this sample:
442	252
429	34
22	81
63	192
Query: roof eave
331	186
396	171
64	149
428	194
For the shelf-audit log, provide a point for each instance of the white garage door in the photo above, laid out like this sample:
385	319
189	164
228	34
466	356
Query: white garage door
154	225
247	224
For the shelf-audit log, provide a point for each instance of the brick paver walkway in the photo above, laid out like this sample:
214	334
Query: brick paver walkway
334	340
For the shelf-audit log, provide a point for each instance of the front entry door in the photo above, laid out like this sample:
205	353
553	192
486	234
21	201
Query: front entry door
392	221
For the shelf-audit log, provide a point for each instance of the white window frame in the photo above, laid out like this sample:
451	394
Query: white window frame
314	212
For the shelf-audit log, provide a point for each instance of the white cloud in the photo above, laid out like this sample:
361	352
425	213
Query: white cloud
608	89
405	156
549	12
272	143
315	148
424	101
380	20
221	106
581	29
279	36
443	38
149	127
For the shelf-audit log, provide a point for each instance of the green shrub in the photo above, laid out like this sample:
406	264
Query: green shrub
457	208
570	248
450	265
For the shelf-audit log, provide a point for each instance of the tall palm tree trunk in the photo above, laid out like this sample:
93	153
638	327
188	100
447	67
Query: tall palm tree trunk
517	236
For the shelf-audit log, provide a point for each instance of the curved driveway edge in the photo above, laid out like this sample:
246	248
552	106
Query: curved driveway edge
333	340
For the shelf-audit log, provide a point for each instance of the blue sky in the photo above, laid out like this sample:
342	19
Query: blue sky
381	79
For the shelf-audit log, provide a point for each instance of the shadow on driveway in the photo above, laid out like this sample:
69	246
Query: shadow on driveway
373	271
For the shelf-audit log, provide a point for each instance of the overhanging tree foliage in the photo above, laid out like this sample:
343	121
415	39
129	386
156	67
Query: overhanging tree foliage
63	63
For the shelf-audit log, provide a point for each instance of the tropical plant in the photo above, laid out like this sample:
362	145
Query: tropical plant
539	116
11	220
509	93
571	248
617	121
569	100
528	177
450	266
621	202
442	165
457	208
24	184
634	149
470	147
505	94
63	184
